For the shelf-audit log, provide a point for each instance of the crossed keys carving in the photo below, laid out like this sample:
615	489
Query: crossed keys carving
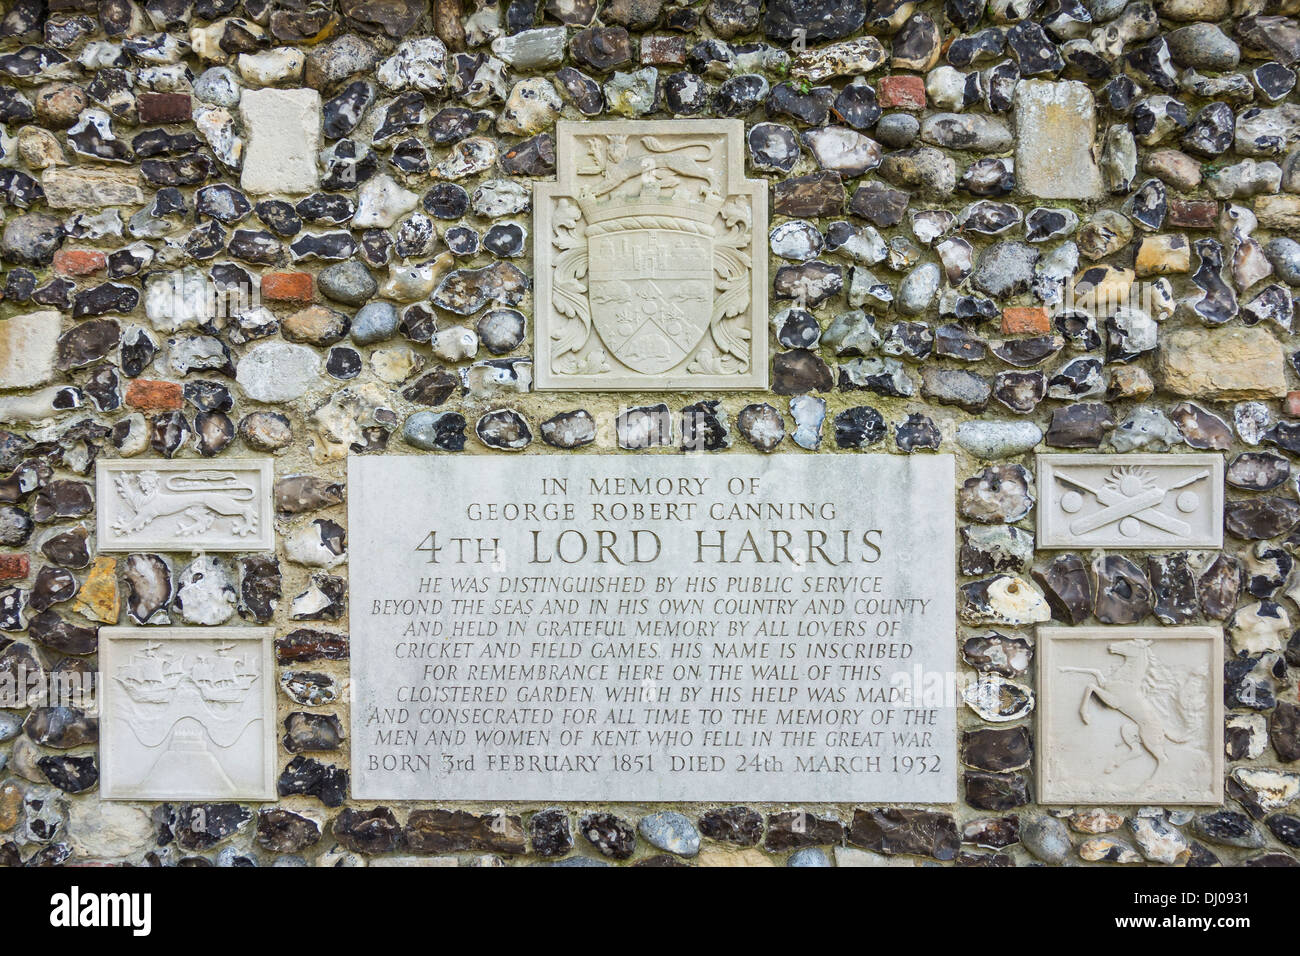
1130	496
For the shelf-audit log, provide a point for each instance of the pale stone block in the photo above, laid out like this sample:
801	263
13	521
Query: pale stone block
1055	126
1224	364
1130	715
283	129
650	259
83	187
187	713
28	347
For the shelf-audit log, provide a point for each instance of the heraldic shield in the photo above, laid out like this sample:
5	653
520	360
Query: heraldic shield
648	271
651	287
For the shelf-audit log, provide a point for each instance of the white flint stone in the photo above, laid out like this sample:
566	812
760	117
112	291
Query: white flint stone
381	201
278	371
280	65
178	300
417	65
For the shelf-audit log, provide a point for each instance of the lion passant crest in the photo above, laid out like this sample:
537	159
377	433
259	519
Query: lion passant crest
647	272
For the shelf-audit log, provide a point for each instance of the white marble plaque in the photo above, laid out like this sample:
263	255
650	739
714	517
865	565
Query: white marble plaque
187	713
1130	715
651	259
185	505
1130	501
653	628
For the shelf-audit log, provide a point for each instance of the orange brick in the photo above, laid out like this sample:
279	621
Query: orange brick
150	395
14	567
287	287
1293	404
1031	318
79	262
902	92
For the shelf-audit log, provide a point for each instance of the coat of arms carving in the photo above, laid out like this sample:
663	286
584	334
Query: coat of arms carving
651	272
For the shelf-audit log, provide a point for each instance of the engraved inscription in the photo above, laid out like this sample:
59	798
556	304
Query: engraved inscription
1130	715
1130	501
185	506
187	714
648	272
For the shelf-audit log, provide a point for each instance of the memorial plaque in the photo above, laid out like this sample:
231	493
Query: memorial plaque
653	628
185	505
1130	501
650	257
187	713
1130	715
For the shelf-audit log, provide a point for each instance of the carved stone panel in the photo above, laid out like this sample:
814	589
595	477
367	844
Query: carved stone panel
187	713
650	259
185	505
1130	715
1130	501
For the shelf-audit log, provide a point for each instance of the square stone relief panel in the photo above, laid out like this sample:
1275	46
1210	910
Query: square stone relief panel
185	505
1130	715
187	713
1130	501
650	258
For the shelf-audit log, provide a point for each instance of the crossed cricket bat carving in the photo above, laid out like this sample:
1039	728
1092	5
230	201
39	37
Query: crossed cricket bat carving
1140	506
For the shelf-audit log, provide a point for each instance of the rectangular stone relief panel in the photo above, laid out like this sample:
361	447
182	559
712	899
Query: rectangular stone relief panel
185	505
650	254
187	713
596	627
1130	501
1130	715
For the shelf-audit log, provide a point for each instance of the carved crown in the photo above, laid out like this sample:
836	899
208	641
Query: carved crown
595	210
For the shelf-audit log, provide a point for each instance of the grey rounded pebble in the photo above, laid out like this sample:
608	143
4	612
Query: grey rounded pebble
501	330
374	323
897	129
348	282
218	86
1048	839
808	856
671	831
985	439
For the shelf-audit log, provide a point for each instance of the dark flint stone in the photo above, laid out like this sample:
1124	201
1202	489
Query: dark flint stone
917	433
1285	827
1257	471
456	831
792	829
160	142
878	204
138	350
62	498
326	207
995	791
304	775
806	197
1285	435
1211	133
685	94
1276	36
214	432
259	587
1079	426
856	105
738	826
1034	50
342	113
704	426
740	95
601	48
169	202
283	831
222	202
999	494
956	341
581	90
186	171
549	834
996	749
991	177
505	239
56	293
1067	588
1274	80
1122	593
371	832
308	644
208	396
206	241
311	732
809	283
11	615
330	246
1219	587
68	549
813	19
998	654
1020	391
70	774
19	285
168	432
1201	429
462	241
858	427
530	157
964	51
992	549
343	363
1250	683
1028	352
1002	81
990	218
61	727
1152	62
902	831
1077	376
1174	586
51	630
1150	205
521	15
87	343
810	108
503	428
1284	731
611	835
53	586
571	429
1267	516
432	388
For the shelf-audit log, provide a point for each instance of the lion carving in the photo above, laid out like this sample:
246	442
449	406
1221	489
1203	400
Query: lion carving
199	498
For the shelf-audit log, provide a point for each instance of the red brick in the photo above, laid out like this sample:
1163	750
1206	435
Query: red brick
163	107
904	92
287	287
79	262
1193	213
1293	404
14	567
1029	318
663	51
150	395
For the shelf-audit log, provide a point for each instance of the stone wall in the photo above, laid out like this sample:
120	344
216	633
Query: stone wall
236	229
